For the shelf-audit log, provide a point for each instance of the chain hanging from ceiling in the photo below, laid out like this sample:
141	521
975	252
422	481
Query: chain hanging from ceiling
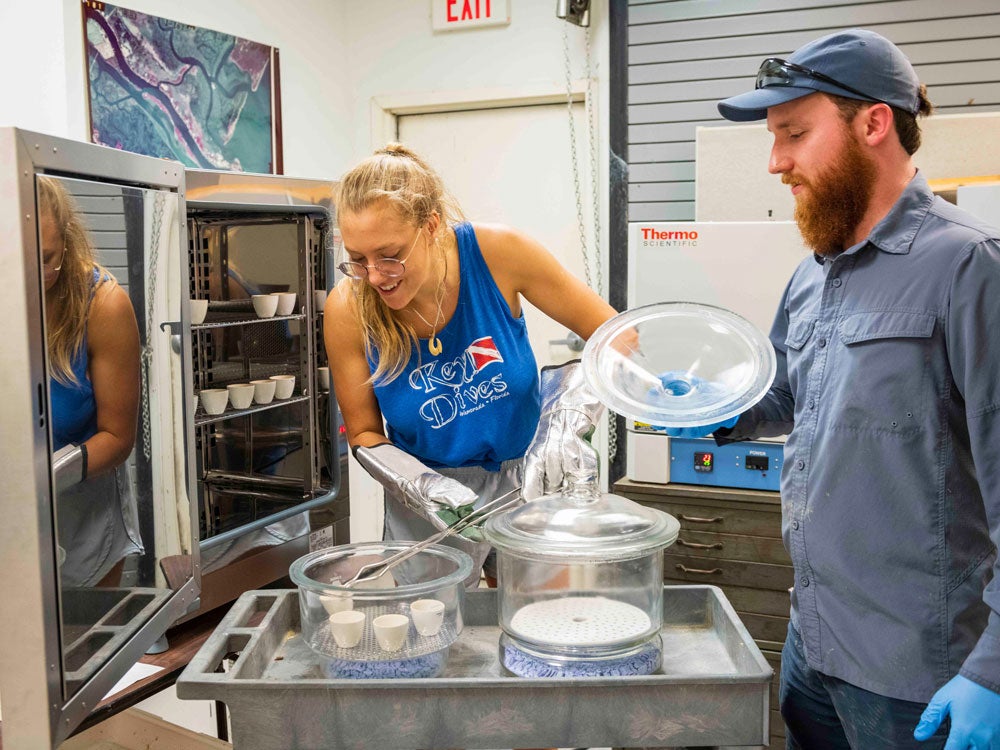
596	280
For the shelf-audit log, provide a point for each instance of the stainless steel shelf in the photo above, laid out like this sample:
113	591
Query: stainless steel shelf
246	321
233	413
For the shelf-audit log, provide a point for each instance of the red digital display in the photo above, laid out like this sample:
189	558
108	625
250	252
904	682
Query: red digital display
704	461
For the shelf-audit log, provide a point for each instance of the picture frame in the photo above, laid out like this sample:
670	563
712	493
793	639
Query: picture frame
163	88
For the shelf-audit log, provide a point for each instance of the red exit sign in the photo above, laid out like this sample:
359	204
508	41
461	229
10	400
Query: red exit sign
449	15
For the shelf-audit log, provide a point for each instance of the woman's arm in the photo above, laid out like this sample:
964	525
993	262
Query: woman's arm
345	351
522	266
424	491
113	353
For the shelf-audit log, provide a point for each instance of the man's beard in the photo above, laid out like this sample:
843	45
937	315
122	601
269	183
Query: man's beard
832	207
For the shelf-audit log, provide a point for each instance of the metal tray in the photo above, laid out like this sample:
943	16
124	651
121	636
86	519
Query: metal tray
711	690
97	621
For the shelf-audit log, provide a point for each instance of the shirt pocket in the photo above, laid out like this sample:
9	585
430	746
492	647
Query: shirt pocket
799	332
884	371
797	355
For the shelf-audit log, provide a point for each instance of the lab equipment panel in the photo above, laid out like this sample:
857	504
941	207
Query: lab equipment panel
753	465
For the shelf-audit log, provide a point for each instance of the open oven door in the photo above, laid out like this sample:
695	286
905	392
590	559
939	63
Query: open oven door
89	571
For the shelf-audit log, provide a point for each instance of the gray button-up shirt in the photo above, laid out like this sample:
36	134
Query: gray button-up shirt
889	383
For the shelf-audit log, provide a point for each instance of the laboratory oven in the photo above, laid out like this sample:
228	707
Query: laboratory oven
740	266
268	459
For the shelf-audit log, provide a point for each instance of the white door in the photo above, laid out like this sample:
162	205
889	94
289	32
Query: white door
513	166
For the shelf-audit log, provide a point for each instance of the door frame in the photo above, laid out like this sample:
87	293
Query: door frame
385	109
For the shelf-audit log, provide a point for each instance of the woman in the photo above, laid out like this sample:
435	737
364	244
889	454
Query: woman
93	352
427	335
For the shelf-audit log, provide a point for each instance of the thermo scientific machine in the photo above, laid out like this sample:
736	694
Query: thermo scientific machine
739	266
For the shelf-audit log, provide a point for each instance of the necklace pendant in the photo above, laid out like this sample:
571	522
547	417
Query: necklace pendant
434	345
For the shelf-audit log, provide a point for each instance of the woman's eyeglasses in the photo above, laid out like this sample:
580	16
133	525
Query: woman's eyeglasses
777	72
55	264
388	267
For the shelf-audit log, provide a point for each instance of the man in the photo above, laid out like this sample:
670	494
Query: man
889	382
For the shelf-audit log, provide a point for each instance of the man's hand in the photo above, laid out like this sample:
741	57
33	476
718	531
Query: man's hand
678	385
697	432
974	712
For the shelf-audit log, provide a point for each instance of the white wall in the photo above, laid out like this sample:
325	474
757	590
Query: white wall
45	88
34	56
335	56
393	49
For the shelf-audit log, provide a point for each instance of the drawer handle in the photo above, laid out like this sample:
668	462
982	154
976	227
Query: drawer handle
695	519
685	569
695	545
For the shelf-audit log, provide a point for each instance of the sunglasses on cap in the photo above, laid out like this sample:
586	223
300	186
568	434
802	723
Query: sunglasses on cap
777	72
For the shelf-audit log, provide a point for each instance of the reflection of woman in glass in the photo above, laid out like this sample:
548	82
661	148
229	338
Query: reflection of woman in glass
93	348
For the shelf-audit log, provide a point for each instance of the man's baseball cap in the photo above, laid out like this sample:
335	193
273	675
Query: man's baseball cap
857	64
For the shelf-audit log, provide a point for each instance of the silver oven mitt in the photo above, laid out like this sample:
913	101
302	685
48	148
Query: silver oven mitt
436	498
560	454
69	466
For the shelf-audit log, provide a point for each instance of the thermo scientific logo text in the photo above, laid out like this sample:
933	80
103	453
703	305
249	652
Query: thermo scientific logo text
652	237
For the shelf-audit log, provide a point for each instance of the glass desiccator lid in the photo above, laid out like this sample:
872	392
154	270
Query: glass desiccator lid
679	364
582	524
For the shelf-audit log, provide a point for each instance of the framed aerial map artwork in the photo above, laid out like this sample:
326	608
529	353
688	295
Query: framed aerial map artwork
158	87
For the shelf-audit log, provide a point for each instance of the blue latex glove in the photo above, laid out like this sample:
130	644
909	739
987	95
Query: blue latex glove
678	384
974	711
697	432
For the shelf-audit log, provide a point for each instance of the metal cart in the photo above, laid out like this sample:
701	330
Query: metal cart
711	690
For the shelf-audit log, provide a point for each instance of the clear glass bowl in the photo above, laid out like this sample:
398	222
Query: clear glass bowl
581	584
435	573
679	364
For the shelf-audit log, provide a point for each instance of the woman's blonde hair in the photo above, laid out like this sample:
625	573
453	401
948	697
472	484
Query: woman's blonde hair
69	298
396	175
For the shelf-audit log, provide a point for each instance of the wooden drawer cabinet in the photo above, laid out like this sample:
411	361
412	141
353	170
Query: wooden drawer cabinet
765	629
761	601
720	572
731	539
719	516
777	725
730	546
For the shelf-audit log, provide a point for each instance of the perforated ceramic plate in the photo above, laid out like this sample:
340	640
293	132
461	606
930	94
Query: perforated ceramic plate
679	364
580	621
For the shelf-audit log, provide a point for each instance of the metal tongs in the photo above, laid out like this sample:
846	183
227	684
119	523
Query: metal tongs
372	570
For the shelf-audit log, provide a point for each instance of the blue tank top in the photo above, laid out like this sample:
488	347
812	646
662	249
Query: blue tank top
476	403
74	409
